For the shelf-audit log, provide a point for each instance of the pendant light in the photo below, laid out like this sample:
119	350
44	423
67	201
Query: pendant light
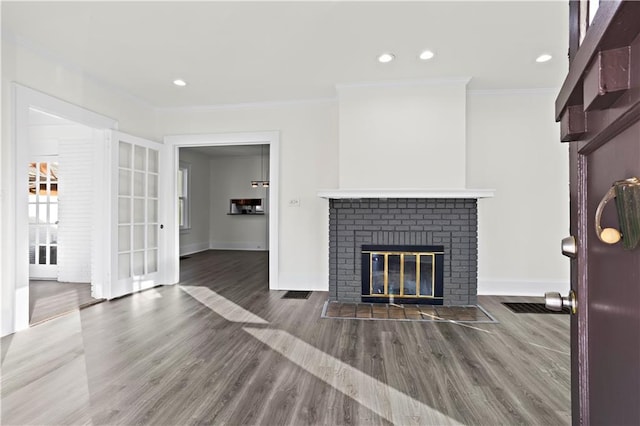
261	183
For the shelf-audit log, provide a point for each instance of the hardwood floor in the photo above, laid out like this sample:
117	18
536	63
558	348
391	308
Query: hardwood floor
405	312
49	299
221	349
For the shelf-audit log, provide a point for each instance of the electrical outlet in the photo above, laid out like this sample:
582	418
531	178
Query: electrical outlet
294	202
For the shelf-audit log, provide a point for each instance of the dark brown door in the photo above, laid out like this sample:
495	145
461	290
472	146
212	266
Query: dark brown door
599	110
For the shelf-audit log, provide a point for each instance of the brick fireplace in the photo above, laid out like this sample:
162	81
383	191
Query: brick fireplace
434	218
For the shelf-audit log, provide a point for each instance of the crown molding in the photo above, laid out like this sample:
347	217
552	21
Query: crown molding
507	92
70	66
248	105
406	83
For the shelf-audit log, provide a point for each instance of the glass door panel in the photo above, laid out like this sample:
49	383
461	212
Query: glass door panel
43	219
426	275
393	264
137	214
377	274
410	274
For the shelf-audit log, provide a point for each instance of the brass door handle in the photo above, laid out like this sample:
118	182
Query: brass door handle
606	235
627	195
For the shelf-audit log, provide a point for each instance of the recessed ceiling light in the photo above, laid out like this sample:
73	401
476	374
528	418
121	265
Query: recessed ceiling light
180	82
386	57
426	55
544	58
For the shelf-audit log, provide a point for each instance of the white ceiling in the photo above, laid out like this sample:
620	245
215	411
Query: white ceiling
240	52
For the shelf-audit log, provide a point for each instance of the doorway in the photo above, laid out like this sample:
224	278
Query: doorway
264	143
223	198
56	138
61	164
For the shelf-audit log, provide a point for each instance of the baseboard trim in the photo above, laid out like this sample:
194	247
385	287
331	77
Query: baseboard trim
289	287
193	248
502	287
232	245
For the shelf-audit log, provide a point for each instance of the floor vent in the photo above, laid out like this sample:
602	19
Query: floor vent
293	294
532	308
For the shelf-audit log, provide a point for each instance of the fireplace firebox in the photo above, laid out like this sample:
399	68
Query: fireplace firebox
402	273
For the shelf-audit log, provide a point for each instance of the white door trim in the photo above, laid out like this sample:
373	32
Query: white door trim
170	209
16	239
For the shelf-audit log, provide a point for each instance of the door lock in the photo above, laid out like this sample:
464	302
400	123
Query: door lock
554	302
569	246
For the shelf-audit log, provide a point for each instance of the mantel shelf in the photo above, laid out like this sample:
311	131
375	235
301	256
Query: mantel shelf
338	194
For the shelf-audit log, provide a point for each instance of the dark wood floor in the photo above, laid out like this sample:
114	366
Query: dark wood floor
221	349
49	299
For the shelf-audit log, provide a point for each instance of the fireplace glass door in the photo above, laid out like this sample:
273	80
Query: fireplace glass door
402	272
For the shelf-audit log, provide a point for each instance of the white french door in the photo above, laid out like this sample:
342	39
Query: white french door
43	219
136	240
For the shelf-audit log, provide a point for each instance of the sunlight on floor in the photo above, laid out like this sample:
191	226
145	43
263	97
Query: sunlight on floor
54	390
152	293
389	403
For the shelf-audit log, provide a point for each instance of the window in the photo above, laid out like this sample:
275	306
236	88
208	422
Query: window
184	210
43	213
588	9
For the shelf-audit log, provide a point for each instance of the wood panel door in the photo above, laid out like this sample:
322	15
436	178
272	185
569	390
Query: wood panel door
599	110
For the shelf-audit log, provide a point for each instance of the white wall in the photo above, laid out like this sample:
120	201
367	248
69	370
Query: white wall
196	238
7	199
230	178
76	182
514	146
308	163
403	135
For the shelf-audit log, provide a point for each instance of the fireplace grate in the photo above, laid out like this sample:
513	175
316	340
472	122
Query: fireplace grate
532	308
295	294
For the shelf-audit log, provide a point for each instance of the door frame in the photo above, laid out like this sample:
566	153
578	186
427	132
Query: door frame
588	128
24	99
170	208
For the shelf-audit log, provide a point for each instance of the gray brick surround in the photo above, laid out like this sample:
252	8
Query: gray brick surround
449	222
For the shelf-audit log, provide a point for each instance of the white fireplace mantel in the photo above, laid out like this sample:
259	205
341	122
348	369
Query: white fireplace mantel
337	194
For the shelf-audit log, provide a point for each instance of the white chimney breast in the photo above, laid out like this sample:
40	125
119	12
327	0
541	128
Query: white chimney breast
403	135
